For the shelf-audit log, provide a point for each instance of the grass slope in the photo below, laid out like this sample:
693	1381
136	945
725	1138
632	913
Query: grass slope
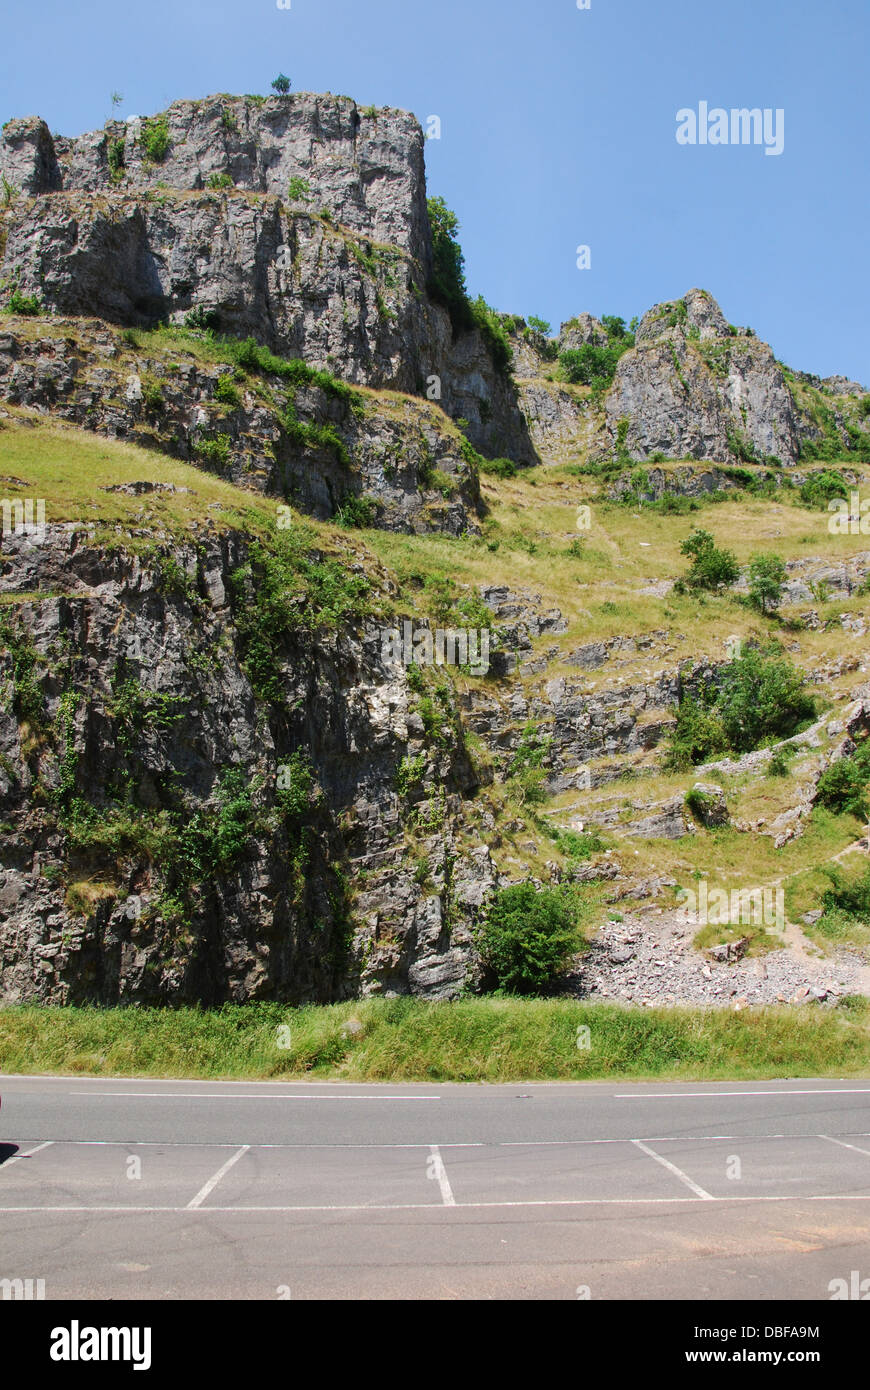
492	1040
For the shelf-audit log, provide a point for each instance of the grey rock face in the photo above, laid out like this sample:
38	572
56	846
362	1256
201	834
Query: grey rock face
366	169
299	221
581	330
690	389
396	451
85	923
697	310
28	160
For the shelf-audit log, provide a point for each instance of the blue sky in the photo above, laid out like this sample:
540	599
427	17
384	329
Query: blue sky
559	129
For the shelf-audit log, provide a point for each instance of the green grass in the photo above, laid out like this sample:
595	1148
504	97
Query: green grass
71	469
493	1040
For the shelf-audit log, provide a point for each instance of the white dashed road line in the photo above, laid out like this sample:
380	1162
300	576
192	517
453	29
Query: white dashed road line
717	1095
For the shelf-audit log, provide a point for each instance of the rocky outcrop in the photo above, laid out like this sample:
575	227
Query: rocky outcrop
169	834
364	166
399	455
693	389
300	221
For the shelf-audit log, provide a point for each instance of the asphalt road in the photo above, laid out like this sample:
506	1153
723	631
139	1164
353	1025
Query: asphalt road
149	1189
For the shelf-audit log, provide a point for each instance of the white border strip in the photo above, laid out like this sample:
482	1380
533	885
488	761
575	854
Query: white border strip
434	1206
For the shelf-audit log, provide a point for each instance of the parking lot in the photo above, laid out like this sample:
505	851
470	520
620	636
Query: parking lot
344	1201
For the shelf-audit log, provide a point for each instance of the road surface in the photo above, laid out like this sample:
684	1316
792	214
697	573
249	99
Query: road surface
127	1189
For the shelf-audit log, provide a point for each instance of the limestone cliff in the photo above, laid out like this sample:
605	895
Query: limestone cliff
261	443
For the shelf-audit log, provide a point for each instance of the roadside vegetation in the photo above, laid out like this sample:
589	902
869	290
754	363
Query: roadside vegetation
469	1040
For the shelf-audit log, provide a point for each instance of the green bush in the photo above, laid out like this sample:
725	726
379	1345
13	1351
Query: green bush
594	364
28	305
252	357
411	771
447	287
843	786
216	451
821	488
493	329
298	190
851	898
27	697
767	576
226	392
152	396
201	320
590	365
447	283
698	803
711	568
356	512
135	709
116	160
218	181
312	436
497	468
579	846
529	935
155	138
759	698
285	590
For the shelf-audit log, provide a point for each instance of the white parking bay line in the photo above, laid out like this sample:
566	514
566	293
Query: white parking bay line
18	1157
213	1182
677	1172
843	1145
441	1173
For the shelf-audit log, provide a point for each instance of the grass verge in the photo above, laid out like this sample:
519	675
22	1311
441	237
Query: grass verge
494	1040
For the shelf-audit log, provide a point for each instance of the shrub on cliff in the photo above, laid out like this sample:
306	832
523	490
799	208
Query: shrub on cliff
594	364
711	568
447	283
155	139
767	577
447	286
844	785
758	698
529	935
